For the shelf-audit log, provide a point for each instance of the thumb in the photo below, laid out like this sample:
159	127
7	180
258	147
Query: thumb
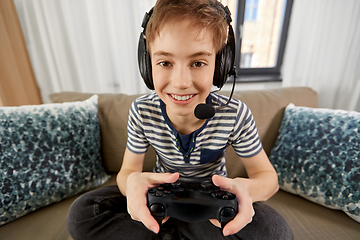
222	182
159	178
172	178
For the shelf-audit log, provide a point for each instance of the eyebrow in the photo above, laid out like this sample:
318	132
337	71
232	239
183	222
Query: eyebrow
197	54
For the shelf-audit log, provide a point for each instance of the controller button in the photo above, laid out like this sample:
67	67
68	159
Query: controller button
217	194
230	196
176	185
160	188
206	185
159	194
167	191
152	190
225	197
157	210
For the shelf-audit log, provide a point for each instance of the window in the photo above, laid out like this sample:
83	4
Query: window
260	29
251	9
245	60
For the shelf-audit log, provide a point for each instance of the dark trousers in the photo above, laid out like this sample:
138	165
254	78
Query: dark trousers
102	214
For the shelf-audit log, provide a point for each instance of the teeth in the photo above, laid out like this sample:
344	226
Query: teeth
182	98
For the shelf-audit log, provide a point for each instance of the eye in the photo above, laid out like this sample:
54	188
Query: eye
165	64
198	64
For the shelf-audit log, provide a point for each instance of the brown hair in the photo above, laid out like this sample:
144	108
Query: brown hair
203	14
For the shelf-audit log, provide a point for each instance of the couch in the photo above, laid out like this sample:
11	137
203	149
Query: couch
307	219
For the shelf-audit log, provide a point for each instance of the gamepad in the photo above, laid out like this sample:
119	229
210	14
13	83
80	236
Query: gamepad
192	202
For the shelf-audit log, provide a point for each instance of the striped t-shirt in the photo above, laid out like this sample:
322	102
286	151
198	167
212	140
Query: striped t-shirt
233	125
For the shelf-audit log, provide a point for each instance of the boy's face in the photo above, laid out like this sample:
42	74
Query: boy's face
183	63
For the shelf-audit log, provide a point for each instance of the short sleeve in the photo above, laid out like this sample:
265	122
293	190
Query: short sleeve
245	137
136	141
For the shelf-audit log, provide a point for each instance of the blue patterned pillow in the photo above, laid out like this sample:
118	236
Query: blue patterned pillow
317	157
47	153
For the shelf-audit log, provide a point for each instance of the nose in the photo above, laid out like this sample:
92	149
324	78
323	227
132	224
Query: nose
181	77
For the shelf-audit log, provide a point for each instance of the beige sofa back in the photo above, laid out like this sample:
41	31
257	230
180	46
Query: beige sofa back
267	107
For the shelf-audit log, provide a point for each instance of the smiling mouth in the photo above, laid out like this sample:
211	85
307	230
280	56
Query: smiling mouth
181	97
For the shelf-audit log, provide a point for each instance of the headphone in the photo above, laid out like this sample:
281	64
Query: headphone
224	63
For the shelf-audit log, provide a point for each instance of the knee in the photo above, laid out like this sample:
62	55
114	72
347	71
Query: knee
76	214
80	212
90	210
92	203
271	223
77	210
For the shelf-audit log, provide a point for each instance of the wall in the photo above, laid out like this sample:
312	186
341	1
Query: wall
17	81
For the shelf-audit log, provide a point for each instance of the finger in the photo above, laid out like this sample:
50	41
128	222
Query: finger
173	178
238	223
215	222
243	217
147	219
139	211
145	216
222	182
165	220
159	178
245	208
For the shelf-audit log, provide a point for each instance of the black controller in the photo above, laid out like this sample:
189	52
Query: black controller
192	202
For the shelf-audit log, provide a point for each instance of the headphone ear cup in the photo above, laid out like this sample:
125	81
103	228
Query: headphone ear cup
146	71
223	65
144	62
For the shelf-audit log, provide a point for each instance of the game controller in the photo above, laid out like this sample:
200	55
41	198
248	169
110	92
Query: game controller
192	202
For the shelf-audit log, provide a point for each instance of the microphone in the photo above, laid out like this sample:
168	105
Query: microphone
205	111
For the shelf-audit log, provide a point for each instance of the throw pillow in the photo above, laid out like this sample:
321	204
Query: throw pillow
47	153
316	156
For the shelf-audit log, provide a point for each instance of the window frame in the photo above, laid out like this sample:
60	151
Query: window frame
271	74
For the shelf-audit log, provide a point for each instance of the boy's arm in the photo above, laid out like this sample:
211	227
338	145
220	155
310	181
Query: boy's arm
134	184
131	163
263	181
260	185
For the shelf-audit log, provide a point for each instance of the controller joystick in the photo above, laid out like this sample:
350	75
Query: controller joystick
192	202
158	211
226	215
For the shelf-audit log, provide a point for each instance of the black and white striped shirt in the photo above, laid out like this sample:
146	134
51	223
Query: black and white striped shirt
233	125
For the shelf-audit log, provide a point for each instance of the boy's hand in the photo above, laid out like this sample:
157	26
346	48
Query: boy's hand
245	207
136	189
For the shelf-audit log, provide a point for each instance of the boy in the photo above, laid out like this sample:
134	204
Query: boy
183	38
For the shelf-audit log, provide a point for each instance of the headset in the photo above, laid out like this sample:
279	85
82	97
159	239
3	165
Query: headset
224	63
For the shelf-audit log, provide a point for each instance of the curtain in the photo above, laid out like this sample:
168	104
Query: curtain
84	45
323	51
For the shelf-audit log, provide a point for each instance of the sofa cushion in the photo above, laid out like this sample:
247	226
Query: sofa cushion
316	156
47	153
113	116
309	220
